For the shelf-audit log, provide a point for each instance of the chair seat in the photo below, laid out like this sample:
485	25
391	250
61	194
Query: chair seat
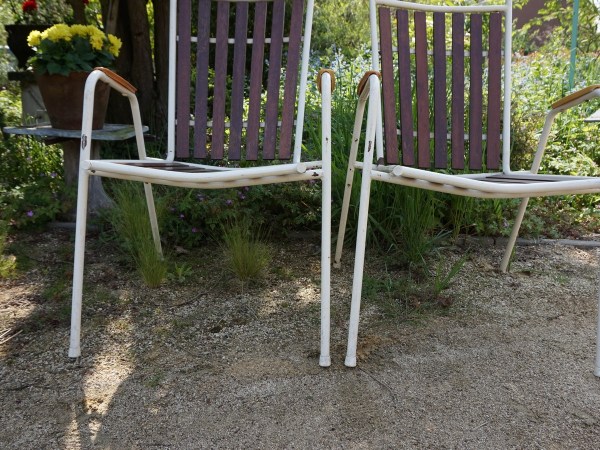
199	175
488	185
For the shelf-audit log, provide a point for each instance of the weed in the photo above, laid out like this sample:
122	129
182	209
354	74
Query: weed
409	295
442	280
181	272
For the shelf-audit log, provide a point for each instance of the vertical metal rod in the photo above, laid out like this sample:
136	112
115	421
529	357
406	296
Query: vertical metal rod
574	31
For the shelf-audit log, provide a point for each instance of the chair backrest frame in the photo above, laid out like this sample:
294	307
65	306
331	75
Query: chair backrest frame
439	153
289	129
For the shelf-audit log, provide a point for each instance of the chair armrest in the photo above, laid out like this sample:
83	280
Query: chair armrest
365	79
320	75
117	79
566	101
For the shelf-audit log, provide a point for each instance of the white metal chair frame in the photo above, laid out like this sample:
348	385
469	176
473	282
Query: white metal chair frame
214	178
473	185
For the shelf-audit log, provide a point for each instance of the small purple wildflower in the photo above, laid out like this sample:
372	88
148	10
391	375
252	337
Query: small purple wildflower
29	213
200	197
181	216
229	202
194	230
52	174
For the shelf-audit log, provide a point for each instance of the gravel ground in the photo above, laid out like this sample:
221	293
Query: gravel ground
210	363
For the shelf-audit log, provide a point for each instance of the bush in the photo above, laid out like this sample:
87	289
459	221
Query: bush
32	189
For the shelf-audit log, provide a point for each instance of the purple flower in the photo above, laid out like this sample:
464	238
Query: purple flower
194	230
29	213
52	174
181	216
200	197
229	202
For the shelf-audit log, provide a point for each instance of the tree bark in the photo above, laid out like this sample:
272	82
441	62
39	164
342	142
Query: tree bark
78	11
161	62
135	60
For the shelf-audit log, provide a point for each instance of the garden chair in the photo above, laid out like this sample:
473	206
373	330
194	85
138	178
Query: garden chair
407	140
258	49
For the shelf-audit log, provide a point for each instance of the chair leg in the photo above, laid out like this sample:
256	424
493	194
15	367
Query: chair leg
359	262
344	215
325	359
513	235
348	186
153	220
78	262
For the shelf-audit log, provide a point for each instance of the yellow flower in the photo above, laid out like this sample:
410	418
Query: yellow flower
34	38
79	30
97	41
58	32
115	45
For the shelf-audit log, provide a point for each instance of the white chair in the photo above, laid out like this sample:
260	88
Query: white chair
402	149
267	75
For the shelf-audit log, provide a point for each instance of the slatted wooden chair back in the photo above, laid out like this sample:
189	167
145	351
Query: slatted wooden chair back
442	80
240	79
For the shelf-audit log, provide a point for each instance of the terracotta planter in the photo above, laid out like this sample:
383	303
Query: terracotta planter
63	98
16	40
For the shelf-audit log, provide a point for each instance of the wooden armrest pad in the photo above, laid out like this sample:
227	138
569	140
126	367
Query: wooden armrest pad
320	74
575	96
118	79
363	81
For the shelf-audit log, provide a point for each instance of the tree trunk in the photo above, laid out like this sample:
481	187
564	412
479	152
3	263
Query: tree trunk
161	63
135	60
78	11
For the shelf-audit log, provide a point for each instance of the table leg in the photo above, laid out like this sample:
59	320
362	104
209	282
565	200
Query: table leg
97	196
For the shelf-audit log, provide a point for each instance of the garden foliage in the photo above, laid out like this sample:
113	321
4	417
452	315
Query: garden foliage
400	218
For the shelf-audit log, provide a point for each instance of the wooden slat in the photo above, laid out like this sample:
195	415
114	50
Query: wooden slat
476	94
291	80
406	124
458	91
170	167
494	92
272	107
422	87
202	61
238	80
387	86
439	90
256	73
219	99
182	130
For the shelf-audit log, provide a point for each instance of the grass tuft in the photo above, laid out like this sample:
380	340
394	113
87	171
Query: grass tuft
132	226
246	254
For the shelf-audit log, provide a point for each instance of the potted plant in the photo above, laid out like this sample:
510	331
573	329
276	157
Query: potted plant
29	15
64	56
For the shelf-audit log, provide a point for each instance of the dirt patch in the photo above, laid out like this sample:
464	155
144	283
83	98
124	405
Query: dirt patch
209	363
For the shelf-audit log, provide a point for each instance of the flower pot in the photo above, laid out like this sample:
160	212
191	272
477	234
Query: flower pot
16	40
63	98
